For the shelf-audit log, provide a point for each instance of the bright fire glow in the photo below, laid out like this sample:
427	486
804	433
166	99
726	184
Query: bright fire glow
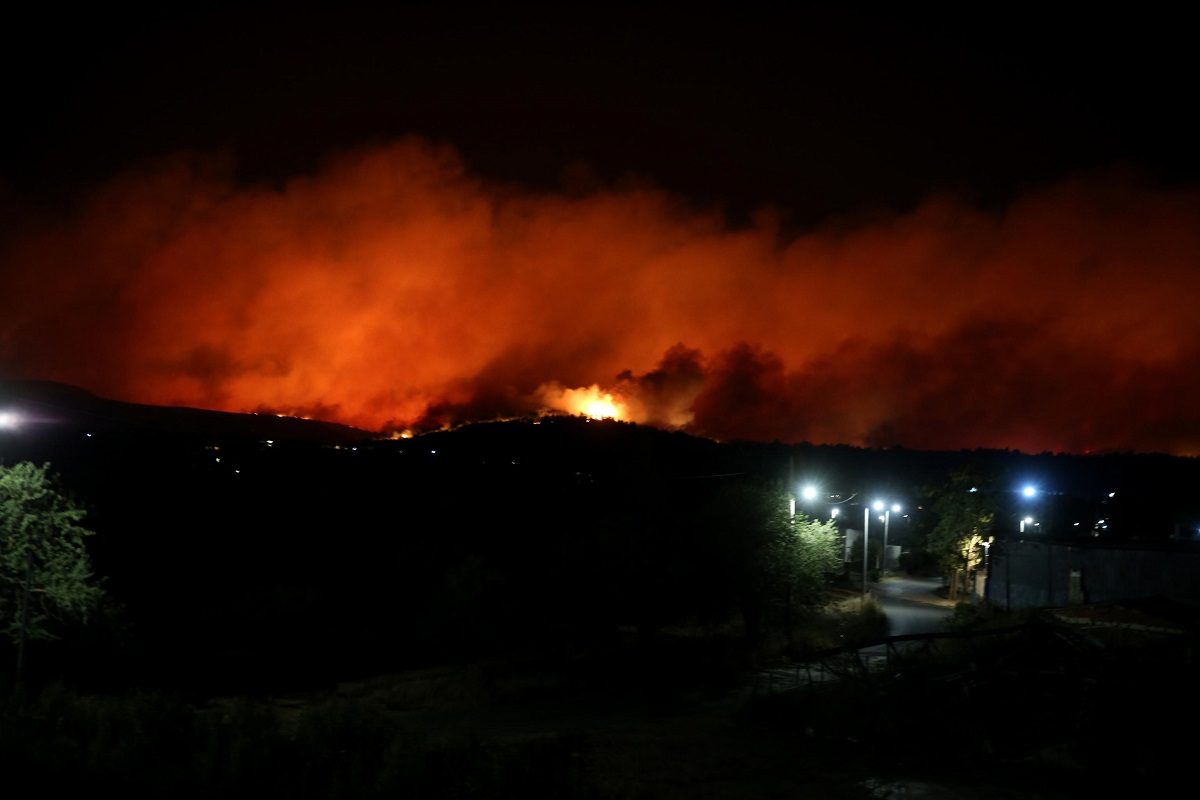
590	401
393	290
602	409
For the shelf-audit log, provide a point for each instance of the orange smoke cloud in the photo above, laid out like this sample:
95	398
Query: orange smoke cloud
396	290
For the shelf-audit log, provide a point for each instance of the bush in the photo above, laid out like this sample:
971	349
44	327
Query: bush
965	616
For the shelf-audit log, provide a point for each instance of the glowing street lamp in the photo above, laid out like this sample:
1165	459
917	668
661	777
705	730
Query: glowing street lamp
810	493
1029	492
879	505
887	518
866	530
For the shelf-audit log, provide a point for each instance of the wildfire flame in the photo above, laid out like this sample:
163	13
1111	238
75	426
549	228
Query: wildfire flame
602	409
394	291
589	401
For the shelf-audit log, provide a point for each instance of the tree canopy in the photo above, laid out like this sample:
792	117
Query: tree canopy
45	572
777	561
965	507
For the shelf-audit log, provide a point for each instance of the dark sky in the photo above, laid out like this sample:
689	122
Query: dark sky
904	228
811	109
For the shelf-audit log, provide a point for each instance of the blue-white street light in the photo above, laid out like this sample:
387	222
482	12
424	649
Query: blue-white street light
809	493
887	519
866	529
1028	492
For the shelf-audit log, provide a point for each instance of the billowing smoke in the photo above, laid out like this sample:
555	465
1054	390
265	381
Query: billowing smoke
394	290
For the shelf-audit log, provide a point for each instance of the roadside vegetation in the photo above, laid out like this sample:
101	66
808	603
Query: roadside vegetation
551	633
632	720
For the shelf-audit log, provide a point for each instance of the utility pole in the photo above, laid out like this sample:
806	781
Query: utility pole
866	527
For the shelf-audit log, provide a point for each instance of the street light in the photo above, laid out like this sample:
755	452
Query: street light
887	517
809	493
866	540
879	506
1029	492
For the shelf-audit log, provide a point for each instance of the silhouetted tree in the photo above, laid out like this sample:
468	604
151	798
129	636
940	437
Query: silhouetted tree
776	561
965	507
45	571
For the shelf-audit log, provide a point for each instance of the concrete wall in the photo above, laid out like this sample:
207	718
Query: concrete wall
1033	574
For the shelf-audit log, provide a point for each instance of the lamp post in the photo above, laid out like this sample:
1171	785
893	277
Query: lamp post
887	517
810	493
879	506
866	530
1029	493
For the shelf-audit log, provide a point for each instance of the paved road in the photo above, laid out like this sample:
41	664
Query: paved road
912	605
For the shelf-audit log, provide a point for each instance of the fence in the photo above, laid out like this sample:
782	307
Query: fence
866	661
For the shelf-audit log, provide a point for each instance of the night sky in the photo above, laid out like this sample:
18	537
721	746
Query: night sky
932	231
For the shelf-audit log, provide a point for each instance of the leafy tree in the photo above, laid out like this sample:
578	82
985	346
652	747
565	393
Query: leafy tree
45	573
813	554
777	561
965	507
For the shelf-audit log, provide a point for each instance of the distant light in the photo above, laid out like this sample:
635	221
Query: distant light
1112	495
896	507
973	489
1029	491
878	505
8	419
834	512
809	493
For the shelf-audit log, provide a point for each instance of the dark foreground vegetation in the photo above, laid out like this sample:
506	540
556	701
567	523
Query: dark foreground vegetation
235	564
554	608
1027	710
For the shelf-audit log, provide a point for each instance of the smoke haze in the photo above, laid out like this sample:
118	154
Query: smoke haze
393	289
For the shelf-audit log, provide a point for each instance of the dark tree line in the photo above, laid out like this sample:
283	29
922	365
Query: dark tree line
245	561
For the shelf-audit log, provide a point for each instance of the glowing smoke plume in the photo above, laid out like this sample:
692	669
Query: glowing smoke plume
395	290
